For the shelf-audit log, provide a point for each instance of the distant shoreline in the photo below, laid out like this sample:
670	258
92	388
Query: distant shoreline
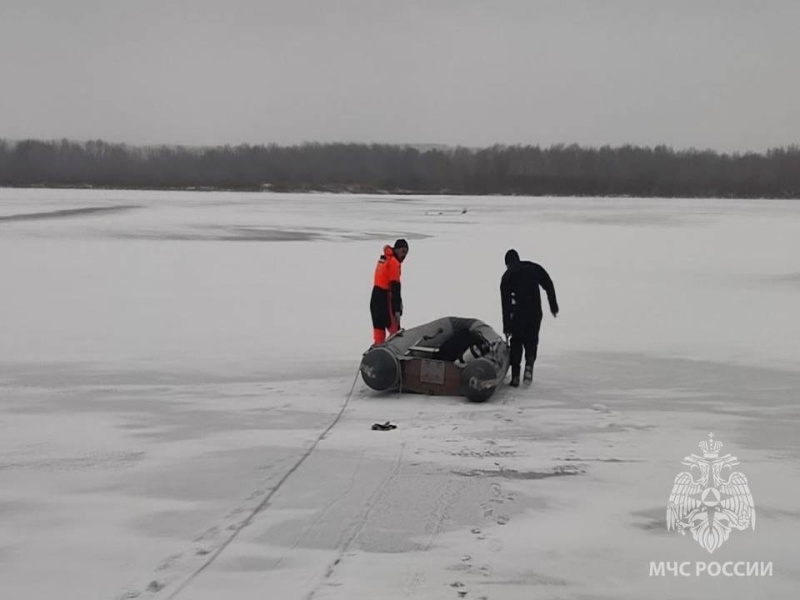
555	171
371	192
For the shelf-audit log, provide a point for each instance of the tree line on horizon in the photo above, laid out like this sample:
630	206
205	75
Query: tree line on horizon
558	170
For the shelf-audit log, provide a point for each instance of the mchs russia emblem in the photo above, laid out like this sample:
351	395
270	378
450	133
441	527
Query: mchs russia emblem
710	499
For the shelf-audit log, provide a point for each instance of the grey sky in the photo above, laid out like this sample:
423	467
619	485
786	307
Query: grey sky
701	73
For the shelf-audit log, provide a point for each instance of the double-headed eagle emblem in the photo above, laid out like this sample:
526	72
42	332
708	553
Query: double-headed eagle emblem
710	499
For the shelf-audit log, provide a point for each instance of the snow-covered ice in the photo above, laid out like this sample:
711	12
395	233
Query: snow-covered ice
168	360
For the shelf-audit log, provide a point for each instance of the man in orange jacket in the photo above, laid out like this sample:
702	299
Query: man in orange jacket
386	303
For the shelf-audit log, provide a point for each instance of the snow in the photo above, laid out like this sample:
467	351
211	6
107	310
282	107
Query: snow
169	364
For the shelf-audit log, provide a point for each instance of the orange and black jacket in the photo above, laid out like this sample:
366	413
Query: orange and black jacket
386	298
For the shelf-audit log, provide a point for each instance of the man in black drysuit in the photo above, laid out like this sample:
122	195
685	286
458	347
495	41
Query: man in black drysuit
522	310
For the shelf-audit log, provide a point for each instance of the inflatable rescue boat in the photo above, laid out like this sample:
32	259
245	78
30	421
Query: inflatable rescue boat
449	356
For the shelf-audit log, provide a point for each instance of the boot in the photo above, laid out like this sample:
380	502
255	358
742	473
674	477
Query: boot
514	377
528	377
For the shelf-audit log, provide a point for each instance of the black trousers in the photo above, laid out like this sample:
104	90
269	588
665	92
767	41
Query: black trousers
525	337
379	308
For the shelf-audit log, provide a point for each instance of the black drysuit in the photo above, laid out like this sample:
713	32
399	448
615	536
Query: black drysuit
522	308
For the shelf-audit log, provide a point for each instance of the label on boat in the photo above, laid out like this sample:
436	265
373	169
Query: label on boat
432	371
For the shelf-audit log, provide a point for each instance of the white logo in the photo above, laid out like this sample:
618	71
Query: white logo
710	499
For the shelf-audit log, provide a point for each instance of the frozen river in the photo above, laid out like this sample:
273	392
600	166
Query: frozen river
169	361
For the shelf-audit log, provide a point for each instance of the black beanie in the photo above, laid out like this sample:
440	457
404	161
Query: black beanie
401	243
512	258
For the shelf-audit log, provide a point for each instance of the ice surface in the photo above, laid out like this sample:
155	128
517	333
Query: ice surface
166	359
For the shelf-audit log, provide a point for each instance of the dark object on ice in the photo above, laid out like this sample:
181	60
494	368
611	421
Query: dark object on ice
383	426
449	356
522	307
